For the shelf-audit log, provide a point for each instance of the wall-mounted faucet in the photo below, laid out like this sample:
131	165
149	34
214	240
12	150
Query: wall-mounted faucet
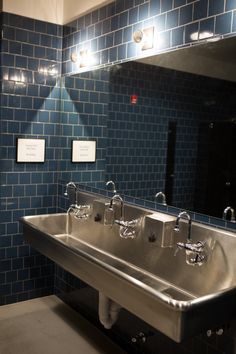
195	252
113	186
186	216
116	199
128	229
70	192
79	211
226	211
160	198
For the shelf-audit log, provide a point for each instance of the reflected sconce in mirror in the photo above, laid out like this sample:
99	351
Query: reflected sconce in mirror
18	78
205	35
145	37
49	71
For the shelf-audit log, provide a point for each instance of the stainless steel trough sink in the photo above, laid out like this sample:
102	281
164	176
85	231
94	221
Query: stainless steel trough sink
142	276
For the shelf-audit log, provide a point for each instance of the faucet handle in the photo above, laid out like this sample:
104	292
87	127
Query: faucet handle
176	228
109	215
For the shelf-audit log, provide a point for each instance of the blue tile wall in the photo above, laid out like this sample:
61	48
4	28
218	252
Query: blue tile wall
107	35
84	116
30	101
31	106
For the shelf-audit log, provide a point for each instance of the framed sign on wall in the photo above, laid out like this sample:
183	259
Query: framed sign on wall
83	151
30	150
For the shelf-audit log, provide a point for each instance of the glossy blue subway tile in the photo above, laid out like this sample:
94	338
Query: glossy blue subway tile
33	90
27	50
154	7
37	128
33	64
5	47
207	27
178	3
98	28
200	9
6	192
216	7
106	26
28	23
21	62
5	289
131	50
160	22
40	52
8	60
143	12
50	104
17	263
191	32
15	47
9	33
24	178
133	16
12	178
45	40
18	191
234	22
40	26
26	102
122	50
21	36
230	5
164	40
30	190
34	38
185	14
120	6
223	23
13	127
14	101
172	19
166	5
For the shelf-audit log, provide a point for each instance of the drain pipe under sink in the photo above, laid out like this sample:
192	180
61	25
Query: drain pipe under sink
108	311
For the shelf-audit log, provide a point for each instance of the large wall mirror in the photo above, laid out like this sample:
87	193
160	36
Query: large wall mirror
171	127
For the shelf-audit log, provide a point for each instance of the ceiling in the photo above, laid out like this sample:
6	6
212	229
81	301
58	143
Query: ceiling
55	11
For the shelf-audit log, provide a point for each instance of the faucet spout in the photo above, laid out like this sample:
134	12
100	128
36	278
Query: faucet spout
226	211
186	216
113	186
161	196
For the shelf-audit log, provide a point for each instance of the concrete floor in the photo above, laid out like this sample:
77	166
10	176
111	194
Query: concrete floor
48	326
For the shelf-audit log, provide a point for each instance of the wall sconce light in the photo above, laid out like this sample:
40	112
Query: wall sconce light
74	57
145	37
84	58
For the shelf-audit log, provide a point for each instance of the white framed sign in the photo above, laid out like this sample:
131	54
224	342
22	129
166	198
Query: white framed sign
30	150
83	151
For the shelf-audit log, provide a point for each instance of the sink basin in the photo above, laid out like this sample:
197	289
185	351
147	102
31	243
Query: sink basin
142	276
